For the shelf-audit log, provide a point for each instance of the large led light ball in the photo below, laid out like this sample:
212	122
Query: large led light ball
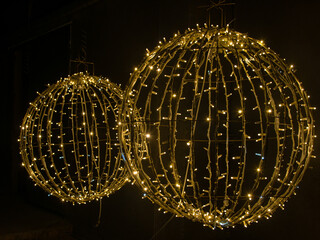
216	127
68	140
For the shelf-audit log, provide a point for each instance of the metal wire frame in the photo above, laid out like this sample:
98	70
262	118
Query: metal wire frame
216	127
68	139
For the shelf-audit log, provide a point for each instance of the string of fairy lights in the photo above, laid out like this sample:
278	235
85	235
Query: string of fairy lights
216	127
213	126
68	140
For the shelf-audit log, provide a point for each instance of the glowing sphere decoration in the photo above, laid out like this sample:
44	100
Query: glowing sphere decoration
223	131
68	139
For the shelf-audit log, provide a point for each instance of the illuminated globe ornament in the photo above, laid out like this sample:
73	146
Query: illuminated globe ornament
223	131
68	139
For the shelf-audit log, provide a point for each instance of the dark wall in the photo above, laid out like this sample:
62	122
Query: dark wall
40	38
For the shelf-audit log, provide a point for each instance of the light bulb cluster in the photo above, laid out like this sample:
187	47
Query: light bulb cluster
69	139
216	127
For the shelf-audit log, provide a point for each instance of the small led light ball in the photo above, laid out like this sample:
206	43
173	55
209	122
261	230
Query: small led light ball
229	127
69	139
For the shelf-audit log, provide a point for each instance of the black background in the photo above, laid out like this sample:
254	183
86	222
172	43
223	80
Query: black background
40	37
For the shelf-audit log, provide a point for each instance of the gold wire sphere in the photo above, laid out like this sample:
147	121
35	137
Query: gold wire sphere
68	139
223	131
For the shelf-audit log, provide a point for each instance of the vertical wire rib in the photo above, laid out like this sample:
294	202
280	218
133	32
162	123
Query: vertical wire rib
75	140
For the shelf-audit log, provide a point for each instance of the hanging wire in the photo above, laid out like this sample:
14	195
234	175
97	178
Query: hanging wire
83	55
219	5
99	216
162	227
80	64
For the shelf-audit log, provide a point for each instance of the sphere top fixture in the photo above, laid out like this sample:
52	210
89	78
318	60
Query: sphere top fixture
69	139
216	127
